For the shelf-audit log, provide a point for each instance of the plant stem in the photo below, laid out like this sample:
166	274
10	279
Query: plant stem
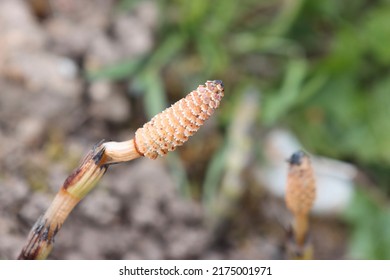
166	131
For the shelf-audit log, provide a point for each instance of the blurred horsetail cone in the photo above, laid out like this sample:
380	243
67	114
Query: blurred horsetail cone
172	127
301	188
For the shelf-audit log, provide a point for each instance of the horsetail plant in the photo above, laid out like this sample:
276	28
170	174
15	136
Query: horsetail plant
300	196
222	203
163	133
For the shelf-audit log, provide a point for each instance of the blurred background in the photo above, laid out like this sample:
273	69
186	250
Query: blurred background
298	74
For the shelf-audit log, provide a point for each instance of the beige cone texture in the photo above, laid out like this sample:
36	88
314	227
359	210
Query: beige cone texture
172	127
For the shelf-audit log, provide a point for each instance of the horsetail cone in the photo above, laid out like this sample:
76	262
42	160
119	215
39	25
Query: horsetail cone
301	189
172	127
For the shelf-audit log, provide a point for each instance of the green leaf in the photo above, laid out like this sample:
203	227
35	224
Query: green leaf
280	103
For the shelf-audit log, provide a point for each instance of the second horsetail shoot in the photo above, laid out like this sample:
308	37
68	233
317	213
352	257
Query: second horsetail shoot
300	197
163	133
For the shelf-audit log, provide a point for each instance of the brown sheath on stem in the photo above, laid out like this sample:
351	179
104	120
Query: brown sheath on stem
300	193
166	131
76	186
